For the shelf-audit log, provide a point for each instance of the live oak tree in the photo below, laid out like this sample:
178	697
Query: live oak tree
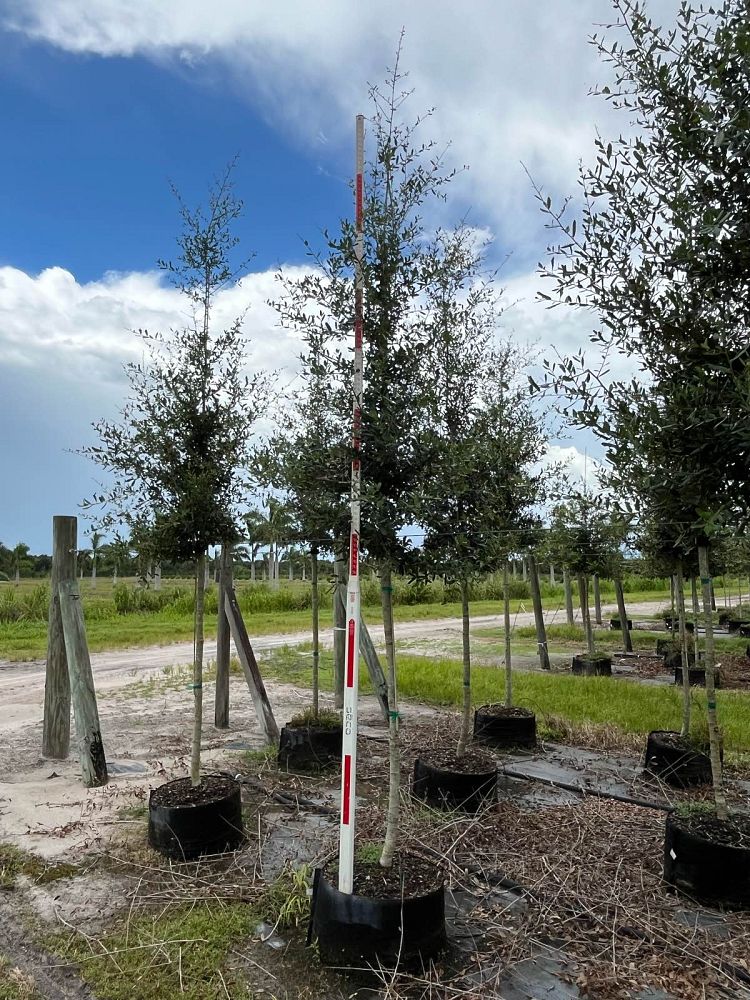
175	458
659	252
402	176
482	436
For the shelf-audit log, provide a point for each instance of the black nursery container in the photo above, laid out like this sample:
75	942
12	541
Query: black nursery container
614	623
499	730
309	747
187	830
598	665
356	931
711	872
675	760
470	791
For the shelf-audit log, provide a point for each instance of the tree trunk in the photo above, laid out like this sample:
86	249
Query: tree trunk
291	568
18	575
513	568
583	600
673	596
627	639
722	812
568	596
680	592
597	600
524	570
157	576
252	565
536	597
551	575
200	590
339	631
463	738
506	621
696	615
394	754
223	641
93	572
315	631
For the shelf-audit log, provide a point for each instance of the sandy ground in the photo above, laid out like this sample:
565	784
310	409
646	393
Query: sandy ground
146	721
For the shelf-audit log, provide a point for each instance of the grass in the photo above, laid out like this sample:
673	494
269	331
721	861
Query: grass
630	707
15	862
14	984
180	953
26	639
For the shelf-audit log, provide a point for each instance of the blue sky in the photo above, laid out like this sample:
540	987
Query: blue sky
103	103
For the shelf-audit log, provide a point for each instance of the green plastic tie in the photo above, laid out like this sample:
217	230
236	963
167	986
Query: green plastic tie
194	687
394	715
387	590
712	704
706	580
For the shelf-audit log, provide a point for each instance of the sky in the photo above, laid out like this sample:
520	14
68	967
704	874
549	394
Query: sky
106	103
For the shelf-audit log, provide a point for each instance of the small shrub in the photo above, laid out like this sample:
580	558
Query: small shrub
325	719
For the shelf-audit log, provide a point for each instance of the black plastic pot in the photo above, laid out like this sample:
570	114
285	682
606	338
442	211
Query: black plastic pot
680	766
714	873
188	830
599	665
504	730
453	789
674	625
352	930
306	747
614	623
696	677
735	627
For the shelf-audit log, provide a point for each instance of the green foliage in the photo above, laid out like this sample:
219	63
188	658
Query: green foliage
30	605
286	902
323	720
15	862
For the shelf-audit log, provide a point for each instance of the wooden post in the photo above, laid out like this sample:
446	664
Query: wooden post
369	655
583	600
88	730
56	732
223	641
568	596
626	638
536	597
551	575
250	668
339	630
597	600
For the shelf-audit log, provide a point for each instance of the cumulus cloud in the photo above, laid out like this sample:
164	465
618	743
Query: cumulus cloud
509	80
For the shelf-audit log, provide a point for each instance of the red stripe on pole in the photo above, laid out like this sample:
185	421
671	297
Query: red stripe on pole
345	805
360	189
354	545
350	655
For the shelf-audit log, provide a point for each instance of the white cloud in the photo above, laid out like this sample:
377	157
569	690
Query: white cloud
509	80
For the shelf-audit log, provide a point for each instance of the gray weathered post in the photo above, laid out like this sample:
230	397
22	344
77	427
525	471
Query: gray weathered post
568	596
369	655
83	695
339	630
56	730
223	641
249	665
597	600
626	638
536	597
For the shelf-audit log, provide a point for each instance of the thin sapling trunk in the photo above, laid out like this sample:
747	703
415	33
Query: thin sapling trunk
200	590
696	613
463	738
394	753
714	736
506	616
597	600
583	600
315	630
679	585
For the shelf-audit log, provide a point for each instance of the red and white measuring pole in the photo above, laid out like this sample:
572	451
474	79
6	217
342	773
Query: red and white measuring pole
351	676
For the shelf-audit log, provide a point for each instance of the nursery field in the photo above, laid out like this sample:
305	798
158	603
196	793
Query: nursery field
554	891
126	616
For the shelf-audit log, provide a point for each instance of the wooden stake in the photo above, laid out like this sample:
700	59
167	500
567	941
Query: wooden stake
372	661
88	731
56	730
536	597
223	642
626	637
250	668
